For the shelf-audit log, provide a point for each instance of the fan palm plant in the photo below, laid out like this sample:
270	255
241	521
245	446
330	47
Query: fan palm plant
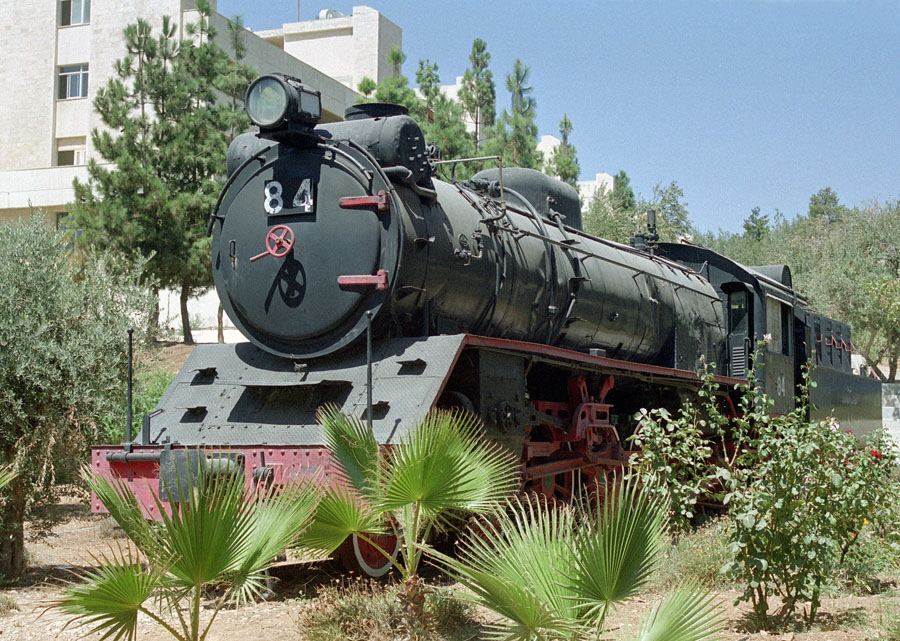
441	471
6	475
224	536
554	572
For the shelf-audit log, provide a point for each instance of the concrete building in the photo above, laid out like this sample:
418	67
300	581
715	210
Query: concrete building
347	48
601	183
57	54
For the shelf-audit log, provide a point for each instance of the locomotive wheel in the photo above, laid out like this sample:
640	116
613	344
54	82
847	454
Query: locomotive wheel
451	399
559	487
358	554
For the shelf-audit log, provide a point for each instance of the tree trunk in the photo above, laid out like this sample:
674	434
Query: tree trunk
153	316
185	319
414	621
12	533
220	325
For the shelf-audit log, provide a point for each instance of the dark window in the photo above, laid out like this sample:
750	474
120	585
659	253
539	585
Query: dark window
74	12
786	330
73	81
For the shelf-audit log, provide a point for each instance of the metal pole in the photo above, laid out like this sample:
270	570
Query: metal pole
129	404
369	369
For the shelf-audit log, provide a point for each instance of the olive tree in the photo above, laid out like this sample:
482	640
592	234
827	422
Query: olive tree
63	324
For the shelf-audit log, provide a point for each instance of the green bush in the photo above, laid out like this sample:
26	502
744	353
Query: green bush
672	461
797	493
62	360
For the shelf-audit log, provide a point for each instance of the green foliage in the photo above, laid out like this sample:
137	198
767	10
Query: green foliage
442	119
825	205
222	537
367	610
62	362
441	471
515	136
889	624
478	95
797	506
366	86
555	572
395	89
797	493
673	220
429	82
672	461
7	474
164	139
619	213
873	561
756	226
622	195
845	261
563	162
604	219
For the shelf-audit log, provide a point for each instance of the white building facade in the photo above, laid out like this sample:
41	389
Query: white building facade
346	47
58	53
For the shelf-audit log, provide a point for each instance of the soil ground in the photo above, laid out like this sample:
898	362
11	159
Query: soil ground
80	537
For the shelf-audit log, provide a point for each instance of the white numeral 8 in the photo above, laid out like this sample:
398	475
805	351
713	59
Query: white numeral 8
272	201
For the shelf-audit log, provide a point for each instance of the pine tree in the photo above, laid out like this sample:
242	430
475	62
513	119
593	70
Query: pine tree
756	225
366	86
166	133
563	162
826	205
429	82
442	118
515	136
395	89
478	94
622	195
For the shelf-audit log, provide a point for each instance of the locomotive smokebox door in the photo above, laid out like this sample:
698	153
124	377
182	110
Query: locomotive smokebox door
306	244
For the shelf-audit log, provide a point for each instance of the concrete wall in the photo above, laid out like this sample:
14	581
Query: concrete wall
890	396
345	47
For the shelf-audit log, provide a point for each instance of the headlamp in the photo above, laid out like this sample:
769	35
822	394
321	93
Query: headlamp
278	101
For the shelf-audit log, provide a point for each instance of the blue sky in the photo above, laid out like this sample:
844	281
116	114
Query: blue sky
743	102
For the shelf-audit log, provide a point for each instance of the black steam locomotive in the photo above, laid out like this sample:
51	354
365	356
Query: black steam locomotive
362	280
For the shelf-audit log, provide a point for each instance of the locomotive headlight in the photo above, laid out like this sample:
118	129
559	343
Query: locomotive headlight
278	101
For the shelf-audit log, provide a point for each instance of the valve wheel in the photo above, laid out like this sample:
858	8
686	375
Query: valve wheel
279	242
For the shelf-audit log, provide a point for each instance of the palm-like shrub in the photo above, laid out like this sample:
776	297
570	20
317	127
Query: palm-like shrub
442	470
224	537
6	475
555	571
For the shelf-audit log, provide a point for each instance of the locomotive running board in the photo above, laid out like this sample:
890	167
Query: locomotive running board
235	395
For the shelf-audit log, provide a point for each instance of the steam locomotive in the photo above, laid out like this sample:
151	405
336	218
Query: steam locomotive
362	280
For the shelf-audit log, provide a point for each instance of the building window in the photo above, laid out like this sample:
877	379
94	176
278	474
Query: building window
71	151
73	81
74	12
